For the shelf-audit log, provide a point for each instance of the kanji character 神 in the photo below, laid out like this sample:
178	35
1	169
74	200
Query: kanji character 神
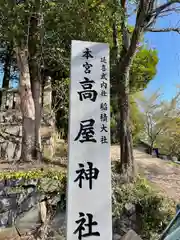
86	174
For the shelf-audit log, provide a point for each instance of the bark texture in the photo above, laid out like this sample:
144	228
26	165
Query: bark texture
6	69
127	167
7	66
123	64
34	43
27	105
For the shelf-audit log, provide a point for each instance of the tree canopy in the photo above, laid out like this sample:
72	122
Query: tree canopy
62	22
161	118
42	32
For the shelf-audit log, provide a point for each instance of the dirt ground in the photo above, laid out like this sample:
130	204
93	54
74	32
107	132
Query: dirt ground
165	175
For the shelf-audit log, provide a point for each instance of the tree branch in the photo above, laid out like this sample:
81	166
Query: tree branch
131	44
163	30
171	10
153	14
164	6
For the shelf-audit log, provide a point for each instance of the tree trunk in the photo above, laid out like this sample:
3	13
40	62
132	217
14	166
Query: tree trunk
7	66
36	87
123	65
122	69
27	106
6	69
151	147
33	44
127	168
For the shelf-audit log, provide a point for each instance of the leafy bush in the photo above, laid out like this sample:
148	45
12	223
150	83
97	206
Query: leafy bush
155	211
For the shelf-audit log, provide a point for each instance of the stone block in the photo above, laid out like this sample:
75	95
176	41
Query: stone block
131	235
116	237
7	204
165	157
22	198
31	190
31	182
129	209
12	215
2	192
2	184
58	224
133	217
14	182
10	150
29	220
174	159
43	211
53	201
4	219
13	192
29	202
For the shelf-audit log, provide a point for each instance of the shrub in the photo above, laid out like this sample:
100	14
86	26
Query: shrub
155	210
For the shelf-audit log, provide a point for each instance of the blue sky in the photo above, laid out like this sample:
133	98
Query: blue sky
168	46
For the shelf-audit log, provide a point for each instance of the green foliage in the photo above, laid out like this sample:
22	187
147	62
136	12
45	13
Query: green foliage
93	19
89	21
169	142
60	101
48	181
34	174
114	120
114	137
155	211
14	21
136	118
142	72
143	69
160	117
60	147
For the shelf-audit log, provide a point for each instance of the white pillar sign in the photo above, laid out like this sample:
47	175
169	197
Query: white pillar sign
89	213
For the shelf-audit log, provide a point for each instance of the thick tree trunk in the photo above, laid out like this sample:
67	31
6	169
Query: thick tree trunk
33	44
36	89
123	65
27	106
127	167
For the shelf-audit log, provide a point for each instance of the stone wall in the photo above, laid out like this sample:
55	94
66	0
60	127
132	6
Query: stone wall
9	99
11	119
25	205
